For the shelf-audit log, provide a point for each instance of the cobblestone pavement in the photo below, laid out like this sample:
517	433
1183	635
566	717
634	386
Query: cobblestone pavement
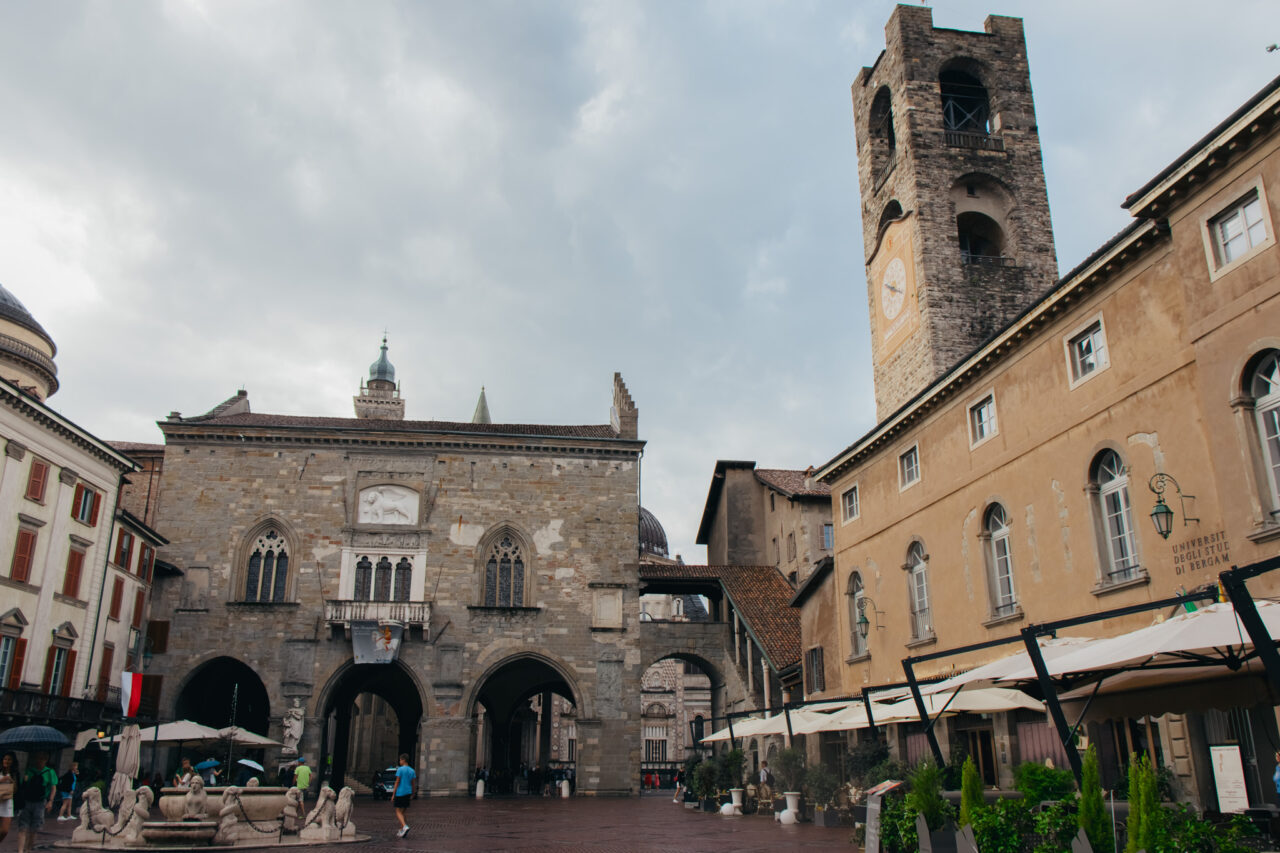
649	824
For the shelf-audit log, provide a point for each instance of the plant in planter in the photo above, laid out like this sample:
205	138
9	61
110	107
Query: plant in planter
926	797
820	786
789	769
970	792
704	784
1093	816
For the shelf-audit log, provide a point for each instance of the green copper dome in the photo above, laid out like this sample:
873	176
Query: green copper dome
382	369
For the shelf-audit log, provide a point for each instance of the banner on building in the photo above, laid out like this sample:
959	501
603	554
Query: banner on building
130	693
374	642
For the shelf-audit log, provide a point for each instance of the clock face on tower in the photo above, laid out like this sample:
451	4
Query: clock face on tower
893	288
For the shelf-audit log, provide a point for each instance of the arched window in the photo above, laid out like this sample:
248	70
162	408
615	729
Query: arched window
981	239
1119	552
267	571
1265	388
856	598
382	580
918	592
965	108
364	579
504	573
404	577
1004	602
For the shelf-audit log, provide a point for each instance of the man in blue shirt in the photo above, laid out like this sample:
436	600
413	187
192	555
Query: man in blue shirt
406	787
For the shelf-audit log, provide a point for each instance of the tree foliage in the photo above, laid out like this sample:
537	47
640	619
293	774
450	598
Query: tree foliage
970	792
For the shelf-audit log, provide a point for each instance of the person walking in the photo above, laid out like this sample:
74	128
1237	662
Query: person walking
302	777
67	787
9	777
405	790
679	784
37	792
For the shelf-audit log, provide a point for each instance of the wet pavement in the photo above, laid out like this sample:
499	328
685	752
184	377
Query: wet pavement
648	824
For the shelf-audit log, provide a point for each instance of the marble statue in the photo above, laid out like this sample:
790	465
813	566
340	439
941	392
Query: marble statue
196	802
253	782
94	819
140	815
319	825
127	801
293	722
292	810
228	816
342	812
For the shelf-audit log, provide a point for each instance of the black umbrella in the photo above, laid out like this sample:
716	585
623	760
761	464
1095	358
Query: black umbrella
33	738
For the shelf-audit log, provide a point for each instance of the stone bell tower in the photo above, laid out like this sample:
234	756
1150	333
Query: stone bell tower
379	397
955	216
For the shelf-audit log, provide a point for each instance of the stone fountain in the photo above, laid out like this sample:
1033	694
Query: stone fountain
251	816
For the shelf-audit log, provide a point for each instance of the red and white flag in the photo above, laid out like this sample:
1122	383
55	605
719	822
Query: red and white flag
130	693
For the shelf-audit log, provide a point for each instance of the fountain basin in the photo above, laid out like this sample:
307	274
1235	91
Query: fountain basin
181	834
260	804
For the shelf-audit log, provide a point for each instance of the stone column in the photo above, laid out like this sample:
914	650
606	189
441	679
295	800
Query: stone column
544	729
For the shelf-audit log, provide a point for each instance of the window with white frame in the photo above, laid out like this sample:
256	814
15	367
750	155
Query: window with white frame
909	467
1000	562
8	647
1087	351
1238	230
918	592
849	503
857	603
1265	386
655	743
982	420
1120	553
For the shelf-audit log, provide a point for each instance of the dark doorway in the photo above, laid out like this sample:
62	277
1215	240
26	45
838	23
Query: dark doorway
517	713
371	709
225	692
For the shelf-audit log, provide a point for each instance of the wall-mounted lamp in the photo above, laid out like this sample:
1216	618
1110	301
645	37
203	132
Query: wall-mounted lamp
1161	513
864	624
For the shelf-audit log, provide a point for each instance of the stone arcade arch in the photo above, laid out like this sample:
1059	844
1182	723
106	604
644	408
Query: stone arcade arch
342	709
501	709
222	692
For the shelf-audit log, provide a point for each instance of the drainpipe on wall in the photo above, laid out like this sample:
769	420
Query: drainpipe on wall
106	563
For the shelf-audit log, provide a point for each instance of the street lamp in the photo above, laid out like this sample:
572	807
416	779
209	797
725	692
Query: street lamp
1162	514
864	624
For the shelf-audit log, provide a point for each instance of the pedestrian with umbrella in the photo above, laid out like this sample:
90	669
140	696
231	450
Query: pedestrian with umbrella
207	767
39	785
249	769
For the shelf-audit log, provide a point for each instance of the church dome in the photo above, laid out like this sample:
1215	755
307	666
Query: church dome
653	539
26	350
381	370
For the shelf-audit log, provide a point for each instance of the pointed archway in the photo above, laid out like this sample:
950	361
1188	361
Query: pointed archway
225	692
372	714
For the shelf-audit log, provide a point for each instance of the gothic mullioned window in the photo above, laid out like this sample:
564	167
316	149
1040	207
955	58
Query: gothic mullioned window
404	577
267	572
504	573
364	579
382	580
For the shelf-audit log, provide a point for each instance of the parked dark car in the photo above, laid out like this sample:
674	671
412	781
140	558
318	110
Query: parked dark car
384	783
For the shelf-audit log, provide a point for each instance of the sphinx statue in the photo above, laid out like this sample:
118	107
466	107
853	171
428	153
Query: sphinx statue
94	819
228	816
195	803
342	812
140	814
319	825
293	808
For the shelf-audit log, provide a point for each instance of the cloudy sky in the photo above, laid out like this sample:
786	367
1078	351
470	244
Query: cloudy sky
202	195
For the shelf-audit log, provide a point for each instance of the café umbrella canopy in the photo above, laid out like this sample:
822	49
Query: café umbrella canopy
33	739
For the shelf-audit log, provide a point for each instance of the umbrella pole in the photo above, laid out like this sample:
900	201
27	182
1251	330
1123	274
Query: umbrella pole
155	746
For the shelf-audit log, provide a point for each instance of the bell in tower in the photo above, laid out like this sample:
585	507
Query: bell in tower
379	397
955	216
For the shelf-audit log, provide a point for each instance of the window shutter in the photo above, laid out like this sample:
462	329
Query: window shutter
76	501
19	658
49	657
158	634
117	594
68	674
104	673
97	502
22	554
139	603
39	475
75	564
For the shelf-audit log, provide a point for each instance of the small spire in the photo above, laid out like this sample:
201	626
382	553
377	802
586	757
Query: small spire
482	410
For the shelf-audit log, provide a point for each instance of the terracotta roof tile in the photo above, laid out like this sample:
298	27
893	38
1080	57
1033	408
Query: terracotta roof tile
247	419
136	446
791	483
760	594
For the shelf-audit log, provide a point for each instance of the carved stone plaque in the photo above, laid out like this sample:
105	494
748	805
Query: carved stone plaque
388	505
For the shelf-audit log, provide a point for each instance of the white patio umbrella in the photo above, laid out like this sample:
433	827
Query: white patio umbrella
1010	668
127	756
244	737
744	727
777	724
984	700
177	732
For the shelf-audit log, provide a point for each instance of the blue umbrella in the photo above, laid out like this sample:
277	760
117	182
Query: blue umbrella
33	738
207	763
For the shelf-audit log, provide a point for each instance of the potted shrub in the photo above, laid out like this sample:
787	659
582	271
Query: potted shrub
704	784
821	784
926	800
730	776
789	769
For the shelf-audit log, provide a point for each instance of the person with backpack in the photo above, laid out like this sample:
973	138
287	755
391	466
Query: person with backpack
35	797
766	785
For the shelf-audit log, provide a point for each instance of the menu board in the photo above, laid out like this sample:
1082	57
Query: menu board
1228	778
